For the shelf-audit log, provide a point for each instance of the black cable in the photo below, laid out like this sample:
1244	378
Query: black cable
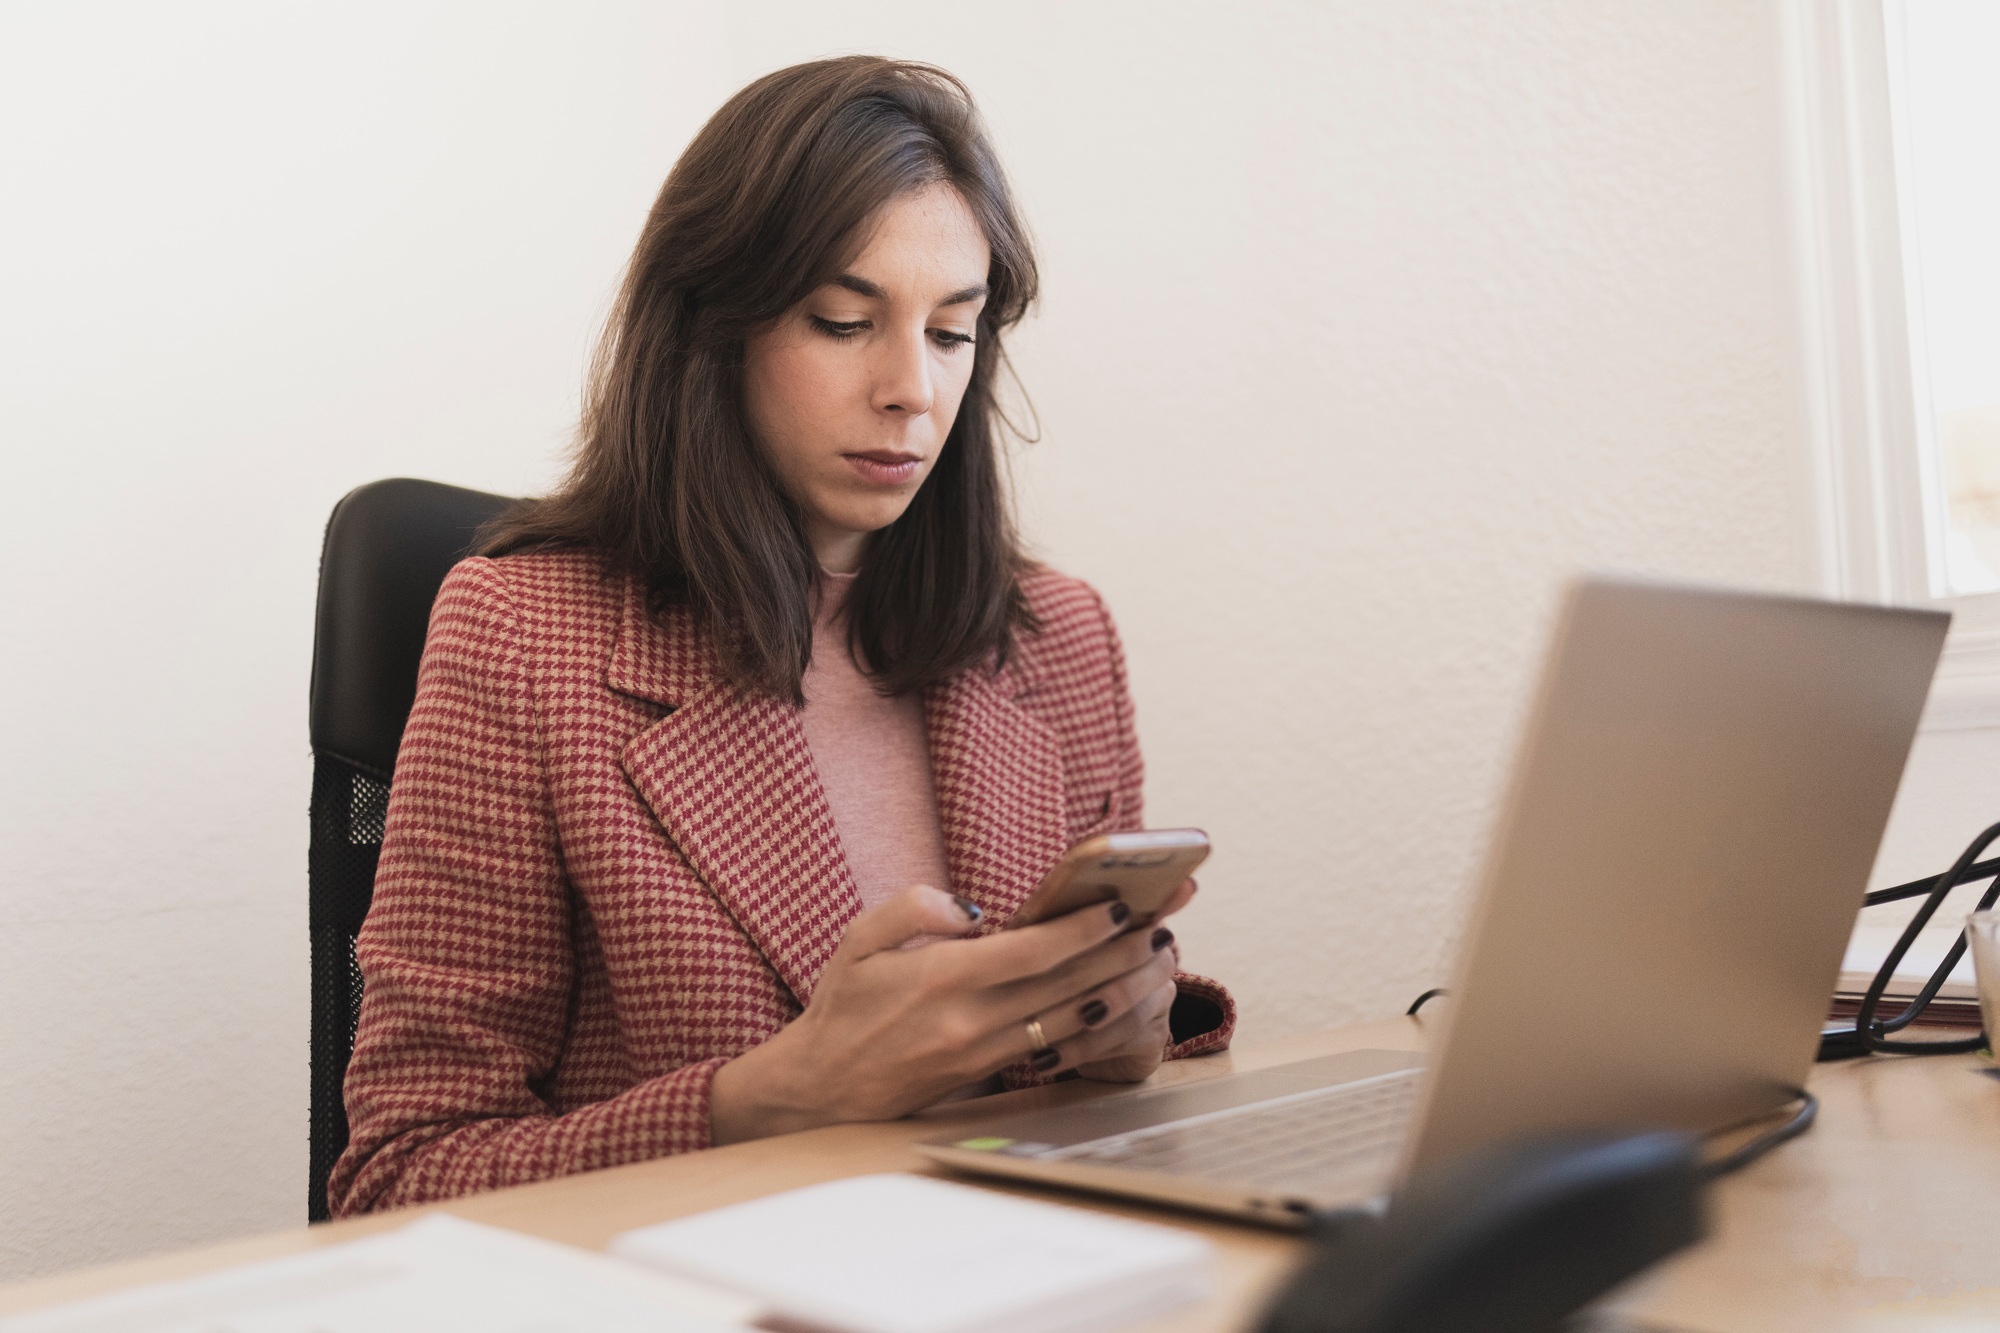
1418	1003
1916	888
1873	1034
1800	1121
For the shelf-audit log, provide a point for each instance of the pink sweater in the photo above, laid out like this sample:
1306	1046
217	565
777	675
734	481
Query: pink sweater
874	761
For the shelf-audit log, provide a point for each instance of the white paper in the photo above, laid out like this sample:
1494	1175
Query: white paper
437	1275
908	1254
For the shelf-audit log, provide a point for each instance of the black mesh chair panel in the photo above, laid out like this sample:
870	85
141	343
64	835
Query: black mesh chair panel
388	546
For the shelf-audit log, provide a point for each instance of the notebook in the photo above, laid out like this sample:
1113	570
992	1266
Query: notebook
909	1254
438	1275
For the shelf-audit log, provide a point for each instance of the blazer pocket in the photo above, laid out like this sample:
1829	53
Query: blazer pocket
1093	818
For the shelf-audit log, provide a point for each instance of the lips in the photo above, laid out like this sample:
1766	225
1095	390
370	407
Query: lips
885	467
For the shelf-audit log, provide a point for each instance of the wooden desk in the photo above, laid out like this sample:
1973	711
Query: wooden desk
1894	1197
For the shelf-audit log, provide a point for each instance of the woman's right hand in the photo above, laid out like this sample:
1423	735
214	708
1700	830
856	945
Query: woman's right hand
891	1030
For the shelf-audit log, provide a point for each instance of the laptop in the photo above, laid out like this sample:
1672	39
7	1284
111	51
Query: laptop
1679	861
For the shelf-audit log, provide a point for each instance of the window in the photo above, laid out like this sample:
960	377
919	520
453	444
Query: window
1892	115
1946	118
1891	125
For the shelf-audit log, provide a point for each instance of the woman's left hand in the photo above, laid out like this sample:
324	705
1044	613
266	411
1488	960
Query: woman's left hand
1131	1048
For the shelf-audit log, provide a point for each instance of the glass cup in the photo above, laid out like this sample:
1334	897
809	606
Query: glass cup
1982	932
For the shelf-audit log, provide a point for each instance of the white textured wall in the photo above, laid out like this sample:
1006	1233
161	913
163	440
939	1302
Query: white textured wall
1364	323
252	255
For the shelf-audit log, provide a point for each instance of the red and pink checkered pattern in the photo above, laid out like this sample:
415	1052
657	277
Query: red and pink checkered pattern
606	872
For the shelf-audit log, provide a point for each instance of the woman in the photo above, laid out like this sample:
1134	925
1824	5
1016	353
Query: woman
729	757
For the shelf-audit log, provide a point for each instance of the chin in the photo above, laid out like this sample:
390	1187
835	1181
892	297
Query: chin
873	515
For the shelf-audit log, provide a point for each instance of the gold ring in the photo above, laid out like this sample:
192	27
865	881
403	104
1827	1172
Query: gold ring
1037	1040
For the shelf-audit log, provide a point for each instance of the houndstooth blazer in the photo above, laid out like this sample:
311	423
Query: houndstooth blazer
606	872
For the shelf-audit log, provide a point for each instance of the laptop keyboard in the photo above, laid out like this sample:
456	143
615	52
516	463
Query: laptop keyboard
1308	1144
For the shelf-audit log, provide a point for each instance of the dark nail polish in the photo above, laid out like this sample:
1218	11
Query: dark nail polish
1120	913
1162	938
1093	1013
1046	1059
973	911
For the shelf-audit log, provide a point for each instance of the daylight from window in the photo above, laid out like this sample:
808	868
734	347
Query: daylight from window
1951	158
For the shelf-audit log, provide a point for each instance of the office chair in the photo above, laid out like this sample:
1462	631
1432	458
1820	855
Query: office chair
388	546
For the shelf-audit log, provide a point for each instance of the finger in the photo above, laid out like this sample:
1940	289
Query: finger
1087	971
1009	955
1103	1007
917	910
1106	1007
1180	898
1127	1050
1142	1031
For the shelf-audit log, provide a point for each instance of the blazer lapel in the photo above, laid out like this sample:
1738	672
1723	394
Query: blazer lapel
999	775
731	781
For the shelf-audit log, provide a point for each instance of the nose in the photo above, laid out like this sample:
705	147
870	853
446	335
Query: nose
903	385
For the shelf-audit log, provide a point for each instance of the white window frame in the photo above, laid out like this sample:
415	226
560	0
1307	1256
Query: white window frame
1859	353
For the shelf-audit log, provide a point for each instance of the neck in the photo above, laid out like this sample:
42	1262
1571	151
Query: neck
837	550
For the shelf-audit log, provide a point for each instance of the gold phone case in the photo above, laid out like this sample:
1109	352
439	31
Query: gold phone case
1142	869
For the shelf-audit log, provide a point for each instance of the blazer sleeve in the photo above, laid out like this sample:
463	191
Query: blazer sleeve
1203	1018
466	953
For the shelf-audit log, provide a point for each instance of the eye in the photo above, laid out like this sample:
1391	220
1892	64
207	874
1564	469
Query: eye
949	340
837	329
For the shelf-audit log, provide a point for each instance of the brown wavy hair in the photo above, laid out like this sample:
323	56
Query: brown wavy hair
772	200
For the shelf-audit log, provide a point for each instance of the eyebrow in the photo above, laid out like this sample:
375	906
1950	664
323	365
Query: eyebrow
860	286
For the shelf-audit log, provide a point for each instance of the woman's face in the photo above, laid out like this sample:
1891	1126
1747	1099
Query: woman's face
852	393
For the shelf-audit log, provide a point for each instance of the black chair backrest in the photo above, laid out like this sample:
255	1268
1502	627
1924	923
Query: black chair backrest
389	545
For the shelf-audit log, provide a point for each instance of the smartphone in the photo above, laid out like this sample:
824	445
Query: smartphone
1142	869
